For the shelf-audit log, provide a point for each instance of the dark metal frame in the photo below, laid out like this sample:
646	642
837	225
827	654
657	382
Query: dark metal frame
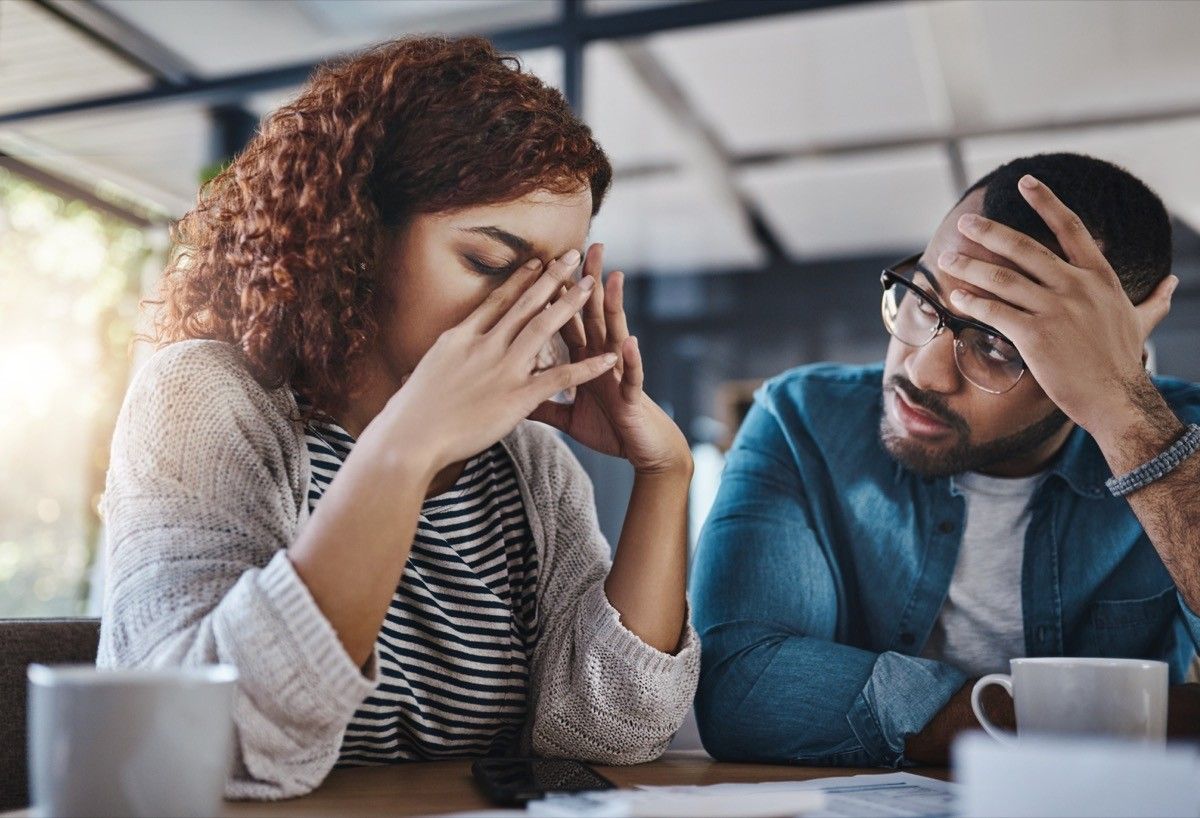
120	38
175	80
233	124
571	32
72	190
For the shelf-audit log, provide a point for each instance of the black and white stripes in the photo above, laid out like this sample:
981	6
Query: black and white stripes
455	646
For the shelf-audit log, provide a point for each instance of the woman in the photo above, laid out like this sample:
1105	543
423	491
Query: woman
325	477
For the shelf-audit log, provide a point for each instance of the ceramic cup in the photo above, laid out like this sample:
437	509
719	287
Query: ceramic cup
1125	698
129	742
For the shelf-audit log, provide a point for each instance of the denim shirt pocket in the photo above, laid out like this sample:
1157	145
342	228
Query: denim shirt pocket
1131	628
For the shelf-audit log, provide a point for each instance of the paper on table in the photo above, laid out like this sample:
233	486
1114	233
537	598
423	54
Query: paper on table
1080	777
890	794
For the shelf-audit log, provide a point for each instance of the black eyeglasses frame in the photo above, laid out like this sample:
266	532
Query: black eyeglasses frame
946	319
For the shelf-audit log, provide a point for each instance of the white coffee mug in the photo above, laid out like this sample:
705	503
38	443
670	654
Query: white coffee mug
1124	698
129	742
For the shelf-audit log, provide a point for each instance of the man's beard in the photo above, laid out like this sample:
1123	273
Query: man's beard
962	456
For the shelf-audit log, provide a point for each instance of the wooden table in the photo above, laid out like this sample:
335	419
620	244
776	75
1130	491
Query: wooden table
437	787
446	786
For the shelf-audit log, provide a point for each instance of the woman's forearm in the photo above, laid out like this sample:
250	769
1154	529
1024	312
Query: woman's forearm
648	576
353	551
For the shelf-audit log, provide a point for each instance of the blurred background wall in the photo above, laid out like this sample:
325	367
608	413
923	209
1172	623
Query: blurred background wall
771	156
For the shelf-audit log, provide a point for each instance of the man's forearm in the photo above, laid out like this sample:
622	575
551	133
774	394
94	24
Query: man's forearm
932	744
1168	508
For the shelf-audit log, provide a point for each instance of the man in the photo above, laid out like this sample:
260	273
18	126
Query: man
885	535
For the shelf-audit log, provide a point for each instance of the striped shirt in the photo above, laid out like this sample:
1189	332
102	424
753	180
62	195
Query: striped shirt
455	646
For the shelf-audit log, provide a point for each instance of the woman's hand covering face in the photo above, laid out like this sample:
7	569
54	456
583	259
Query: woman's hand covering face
611	413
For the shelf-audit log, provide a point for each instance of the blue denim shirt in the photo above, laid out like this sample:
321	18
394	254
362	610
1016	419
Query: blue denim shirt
824	564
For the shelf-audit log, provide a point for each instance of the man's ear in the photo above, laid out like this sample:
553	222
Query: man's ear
1156	306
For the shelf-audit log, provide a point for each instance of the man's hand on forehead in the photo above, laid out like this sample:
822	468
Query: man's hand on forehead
1070	319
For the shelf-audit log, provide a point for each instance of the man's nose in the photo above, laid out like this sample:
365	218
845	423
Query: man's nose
931	368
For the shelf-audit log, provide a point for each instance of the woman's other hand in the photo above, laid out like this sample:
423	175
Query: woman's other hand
612	414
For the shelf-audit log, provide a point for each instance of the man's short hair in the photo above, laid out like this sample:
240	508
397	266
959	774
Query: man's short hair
1126	218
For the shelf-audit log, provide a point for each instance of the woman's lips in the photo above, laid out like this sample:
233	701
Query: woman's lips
916	422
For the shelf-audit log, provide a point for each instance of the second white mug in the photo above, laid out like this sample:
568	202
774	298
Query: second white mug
1125	698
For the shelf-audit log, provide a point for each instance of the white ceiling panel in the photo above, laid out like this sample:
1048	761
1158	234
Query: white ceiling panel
228	37
233	36
601	7
162	148
1072	58
814	78
402	16
1163	155
546	63
43	61
631	127
878	202
671	223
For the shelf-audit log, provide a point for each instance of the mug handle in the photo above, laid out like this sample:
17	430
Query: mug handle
1005	681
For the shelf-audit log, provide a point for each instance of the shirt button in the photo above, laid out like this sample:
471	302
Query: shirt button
907	638
945	527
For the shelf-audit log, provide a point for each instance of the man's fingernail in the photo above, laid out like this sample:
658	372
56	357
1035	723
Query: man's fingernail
571	258
969	221
947	259
610	359
586	283
533	263
1028	182
959	297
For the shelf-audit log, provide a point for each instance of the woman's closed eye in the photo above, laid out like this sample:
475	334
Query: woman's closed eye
488	268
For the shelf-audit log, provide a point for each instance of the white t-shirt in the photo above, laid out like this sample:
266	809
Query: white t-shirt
980	626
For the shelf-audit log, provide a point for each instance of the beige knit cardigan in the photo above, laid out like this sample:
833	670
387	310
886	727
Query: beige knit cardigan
205	492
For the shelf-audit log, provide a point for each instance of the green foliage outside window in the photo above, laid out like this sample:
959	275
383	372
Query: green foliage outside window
69	290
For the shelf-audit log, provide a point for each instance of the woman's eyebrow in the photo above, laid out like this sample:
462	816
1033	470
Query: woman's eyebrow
515	242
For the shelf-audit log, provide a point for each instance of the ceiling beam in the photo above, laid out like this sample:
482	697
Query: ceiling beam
233	125
586	28
1030	126
121	38
702	149
949	141
70	190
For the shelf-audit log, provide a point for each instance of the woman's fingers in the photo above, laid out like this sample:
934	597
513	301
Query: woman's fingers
575	338
634	373
501	299
614	312
532	302
593	311
552	381
550	320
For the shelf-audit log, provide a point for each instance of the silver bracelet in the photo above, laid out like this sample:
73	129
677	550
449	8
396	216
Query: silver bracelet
1159	467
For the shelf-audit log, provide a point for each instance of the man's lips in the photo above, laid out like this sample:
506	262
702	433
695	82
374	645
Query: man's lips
914	420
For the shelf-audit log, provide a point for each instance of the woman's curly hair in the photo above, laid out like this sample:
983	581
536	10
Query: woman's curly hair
280	255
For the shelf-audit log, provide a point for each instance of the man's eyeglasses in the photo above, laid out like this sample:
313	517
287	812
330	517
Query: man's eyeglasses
913	316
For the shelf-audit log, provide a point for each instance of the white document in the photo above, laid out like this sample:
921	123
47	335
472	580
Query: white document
896	795
889	794
1076	778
